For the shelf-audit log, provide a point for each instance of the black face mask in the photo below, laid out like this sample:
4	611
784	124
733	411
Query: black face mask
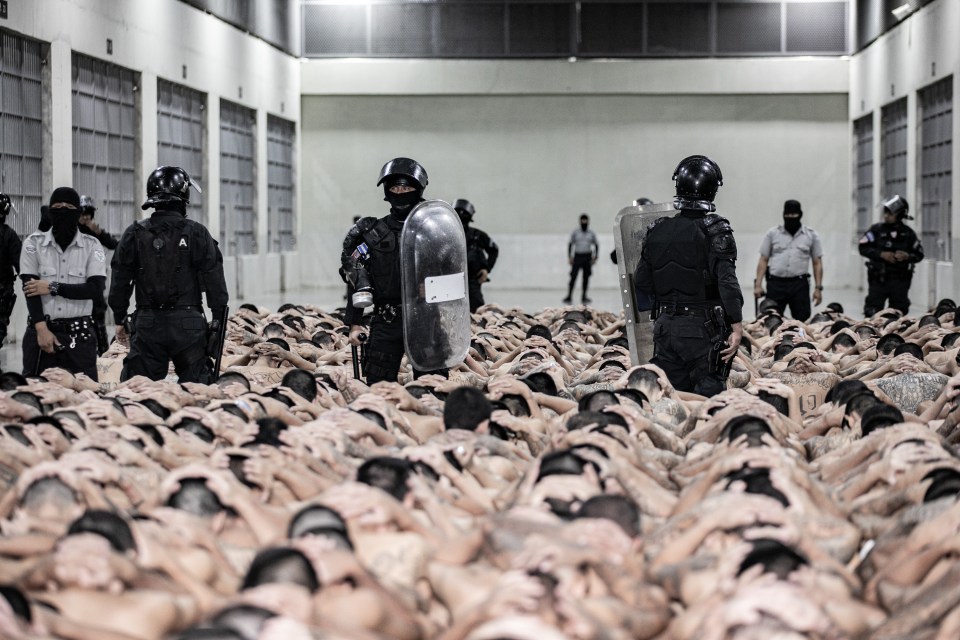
584	225
792	225
402	203
64	224
465	221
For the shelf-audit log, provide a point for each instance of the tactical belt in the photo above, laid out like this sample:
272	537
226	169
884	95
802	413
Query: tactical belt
805	276
67	325
686	308
174	307
387	312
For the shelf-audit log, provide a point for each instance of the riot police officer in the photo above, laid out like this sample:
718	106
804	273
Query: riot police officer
89	226
482	253
169	260
891	249
9	265
370	265
688	266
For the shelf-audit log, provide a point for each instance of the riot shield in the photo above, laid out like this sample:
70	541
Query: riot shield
433	266
629	231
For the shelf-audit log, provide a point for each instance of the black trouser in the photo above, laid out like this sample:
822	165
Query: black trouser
476	295
77	352
582	261
161	336
882	286
100	320
681	347
794	292
8	297
384	351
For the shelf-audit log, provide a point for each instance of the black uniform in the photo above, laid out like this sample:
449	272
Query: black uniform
169	260
381	239
100	304
482	253
889	280
688	266
9	268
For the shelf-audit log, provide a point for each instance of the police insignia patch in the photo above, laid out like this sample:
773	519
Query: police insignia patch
98	255
30	247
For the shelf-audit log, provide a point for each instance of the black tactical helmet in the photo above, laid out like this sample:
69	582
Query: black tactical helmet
168	185
87	206
404	167
897	205
464	206
5	204
697	178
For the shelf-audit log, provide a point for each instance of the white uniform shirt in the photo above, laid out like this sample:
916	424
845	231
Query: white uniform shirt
83	259
584	241
789	255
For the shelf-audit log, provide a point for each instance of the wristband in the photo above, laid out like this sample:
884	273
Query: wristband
54	288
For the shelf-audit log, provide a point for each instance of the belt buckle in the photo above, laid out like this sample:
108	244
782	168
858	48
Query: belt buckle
388	313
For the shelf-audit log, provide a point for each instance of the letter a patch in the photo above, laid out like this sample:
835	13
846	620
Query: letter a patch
183	242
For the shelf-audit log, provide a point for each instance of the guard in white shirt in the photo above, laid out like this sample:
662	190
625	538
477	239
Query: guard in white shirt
785	253
63	271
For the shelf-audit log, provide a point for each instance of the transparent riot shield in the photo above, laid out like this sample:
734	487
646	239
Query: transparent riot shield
629	231
436	309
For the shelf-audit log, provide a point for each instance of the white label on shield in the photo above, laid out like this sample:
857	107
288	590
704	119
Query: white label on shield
445	288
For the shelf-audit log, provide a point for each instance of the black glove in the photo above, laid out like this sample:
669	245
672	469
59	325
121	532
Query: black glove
213	337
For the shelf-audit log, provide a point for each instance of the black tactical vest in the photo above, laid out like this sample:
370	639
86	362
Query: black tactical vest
383	265
165	275
677	251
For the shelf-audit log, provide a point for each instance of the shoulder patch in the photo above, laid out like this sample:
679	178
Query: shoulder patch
99	256
30	247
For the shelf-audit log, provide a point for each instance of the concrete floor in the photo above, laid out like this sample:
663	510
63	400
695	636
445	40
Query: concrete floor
529	300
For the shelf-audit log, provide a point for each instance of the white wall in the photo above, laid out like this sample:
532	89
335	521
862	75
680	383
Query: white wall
157	38
534	143
921	50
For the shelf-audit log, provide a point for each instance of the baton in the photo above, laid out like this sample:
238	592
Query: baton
756	306
356	359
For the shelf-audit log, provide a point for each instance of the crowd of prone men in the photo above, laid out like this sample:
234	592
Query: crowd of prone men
547	489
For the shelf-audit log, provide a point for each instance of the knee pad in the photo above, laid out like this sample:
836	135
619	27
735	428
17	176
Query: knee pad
708	386
381	366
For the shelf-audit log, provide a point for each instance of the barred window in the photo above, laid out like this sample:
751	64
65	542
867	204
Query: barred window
863	175
936	167
894	148
238	213
281	210
21	129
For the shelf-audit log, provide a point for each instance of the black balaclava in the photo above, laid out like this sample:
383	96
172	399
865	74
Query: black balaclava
402	203
890	226
584	224
464	218
792	225
64	221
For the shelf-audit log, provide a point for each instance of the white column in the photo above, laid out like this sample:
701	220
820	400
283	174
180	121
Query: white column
61	115
148	129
